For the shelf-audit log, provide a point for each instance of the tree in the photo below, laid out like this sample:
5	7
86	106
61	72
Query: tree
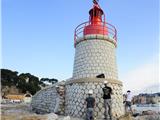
28	82
8	77
24	82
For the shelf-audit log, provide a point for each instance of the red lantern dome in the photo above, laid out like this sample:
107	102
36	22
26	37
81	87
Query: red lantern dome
96	24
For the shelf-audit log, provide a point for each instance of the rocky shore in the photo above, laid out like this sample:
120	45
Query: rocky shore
23	112
147	115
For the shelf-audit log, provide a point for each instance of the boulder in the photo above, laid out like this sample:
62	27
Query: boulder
149	112
127	116
148	117
67	118
52	116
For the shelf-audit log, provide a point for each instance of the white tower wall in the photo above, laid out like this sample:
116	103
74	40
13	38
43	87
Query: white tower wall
93	57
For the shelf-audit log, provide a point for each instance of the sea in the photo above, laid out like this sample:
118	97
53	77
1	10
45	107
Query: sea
145	107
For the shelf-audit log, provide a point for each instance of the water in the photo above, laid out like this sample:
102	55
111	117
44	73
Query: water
146	107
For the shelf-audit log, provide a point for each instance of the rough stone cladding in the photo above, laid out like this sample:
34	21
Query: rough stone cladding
77	91
93	57
44	101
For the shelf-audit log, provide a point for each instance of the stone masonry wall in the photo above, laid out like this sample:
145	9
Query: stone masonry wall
77	91
44	101
93	57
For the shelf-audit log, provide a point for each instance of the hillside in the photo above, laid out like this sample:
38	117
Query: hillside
14	83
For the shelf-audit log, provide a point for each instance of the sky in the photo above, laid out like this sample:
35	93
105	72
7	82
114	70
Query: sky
38	37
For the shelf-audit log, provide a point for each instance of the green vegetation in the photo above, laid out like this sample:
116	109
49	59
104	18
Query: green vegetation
24	81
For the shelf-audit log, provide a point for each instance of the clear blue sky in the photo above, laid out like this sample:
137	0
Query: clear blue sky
37	35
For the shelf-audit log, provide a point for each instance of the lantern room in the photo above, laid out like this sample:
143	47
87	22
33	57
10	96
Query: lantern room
96	22
95	27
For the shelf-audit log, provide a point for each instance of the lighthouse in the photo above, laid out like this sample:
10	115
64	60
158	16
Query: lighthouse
95	43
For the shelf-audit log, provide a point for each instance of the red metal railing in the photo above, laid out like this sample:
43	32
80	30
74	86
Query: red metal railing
111	30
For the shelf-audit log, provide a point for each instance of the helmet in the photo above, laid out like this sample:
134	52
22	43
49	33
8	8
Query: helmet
90	92
105	82
57	86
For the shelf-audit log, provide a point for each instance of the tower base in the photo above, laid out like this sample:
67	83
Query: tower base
77	91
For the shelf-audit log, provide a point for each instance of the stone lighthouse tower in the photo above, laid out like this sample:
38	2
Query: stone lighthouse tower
95	45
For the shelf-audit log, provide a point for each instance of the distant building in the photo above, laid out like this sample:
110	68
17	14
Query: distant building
17	98
147	99
27	98
14	98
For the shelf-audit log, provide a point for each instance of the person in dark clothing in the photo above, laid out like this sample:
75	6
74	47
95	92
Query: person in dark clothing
90	101
107	91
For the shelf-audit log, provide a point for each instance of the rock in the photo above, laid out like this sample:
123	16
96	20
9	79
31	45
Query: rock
127	116
149	112
136	114
52	116
67	118
148	117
